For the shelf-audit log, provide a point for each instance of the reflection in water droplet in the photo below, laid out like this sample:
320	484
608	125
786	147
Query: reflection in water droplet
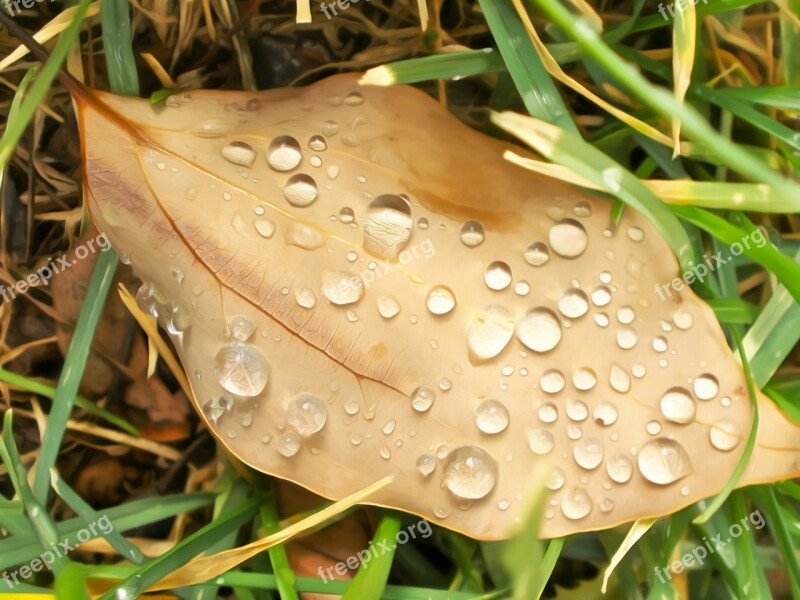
470	473
588	453
540	441
576	504
539	329
568	238
288	444
388	306
426	464
440	300
537	254
706	387
241	369
239	153
724	435
300	190
422	398
472	234
284	153
497	275
573	303
387	226
489	332
342	287
664	461
307	414
678	406
265	227
619	468
491	417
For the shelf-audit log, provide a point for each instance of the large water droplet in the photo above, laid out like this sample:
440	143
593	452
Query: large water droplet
552	381
288	444
388	306
724	435
422	398
573	303
663	461
284	153
300	190
470	473
539	329
241	369
588	453
568	238
387	226
497	275
489	332
239	153
440	300
537	254
491	417
307	414
619	468
706	387
540	441
342	287
472	234
678	406
576	504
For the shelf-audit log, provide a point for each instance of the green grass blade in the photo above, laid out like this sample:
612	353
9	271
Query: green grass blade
448	65
121	62
370	581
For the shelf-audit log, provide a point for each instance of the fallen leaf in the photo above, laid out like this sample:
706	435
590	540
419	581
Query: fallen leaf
359	286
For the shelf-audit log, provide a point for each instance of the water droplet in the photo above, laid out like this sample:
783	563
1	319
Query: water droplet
330	128
539	329
422	223
426	464
584	378
445	384
626	315
660	343
472	234
724	435
606	505
556	480
620	468
540	441
239	153
265	227
678	406
573	303
568	238
284	153
627	338
537	254
577	410
601	296
304	236
522	288
497	275
491	417
552	381
440	300
388	306
489	332
706	387
576	504
422	398
354	99
387	226
682	319
582	209
605	414
288	444
653	428
389	427
619	379
342	287
588	453
242	328
317	143
346	215
636	234
211	128
307	414
548	413
663	461
306	298
216	407
356	440
241	369
470	473
300	190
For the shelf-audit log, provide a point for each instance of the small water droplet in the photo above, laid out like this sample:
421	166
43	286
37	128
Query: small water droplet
619	468
389	427
636	234
724	435
588	453
426	464
242	328
239	153
317	143
548	413
552	381
682	319
582	209
605	414
422	398
619	379
537	254
556	480
283	153
568	238
307	414
472	234
330	128
440	300
522	288
354	99
678	406
584	378
497	275
576	504
346	215
706	387
388	306
288	444
306	298
304	236
491	417
265	227
577	410
626	338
